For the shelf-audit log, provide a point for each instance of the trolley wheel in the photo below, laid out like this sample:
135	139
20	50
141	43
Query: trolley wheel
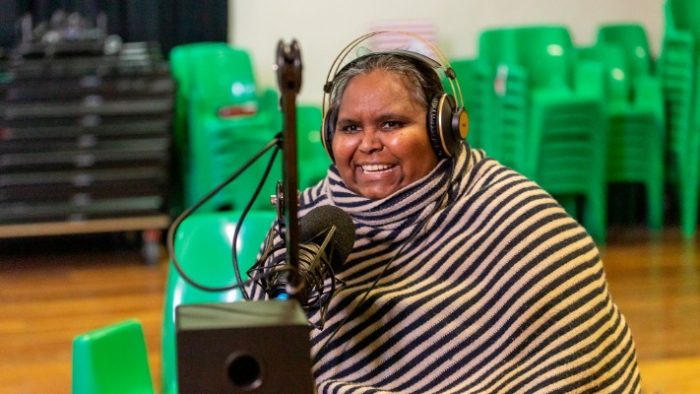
150	249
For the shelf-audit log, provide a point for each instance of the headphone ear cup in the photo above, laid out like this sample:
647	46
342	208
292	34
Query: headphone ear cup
327	131
444	136
434	127
460	124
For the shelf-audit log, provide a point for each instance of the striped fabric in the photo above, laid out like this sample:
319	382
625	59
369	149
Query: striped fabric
486	286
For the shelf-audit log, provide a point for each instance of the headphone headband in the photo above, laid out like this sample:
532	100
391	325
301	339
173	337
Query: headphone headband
442	63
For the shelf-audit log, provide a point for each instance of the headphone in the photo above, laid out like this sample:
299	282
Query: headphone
447	121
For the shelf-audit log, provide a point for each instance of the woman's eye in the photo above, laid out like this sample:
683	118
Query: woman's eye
349	128
391	125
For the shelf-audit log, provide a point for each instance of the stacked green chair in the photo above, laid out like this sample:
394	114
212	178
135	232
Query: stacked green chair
472	76
228	121
182	62
636	138
548	120
505	104
680	73
203	244
111	359
313	159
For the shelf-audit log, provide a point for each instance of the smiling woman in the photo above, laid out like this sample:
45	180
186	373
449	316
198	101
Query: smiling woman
464	275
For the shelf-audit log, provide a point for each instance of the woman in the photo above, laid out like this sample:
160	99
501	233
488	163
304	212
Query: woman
464	275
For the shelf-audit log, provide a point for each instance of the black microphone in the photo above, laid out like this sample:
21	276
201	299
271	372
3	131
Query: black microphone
327	235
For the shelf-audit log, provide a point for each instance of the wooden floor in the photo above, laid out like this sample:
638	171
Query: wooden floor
53	289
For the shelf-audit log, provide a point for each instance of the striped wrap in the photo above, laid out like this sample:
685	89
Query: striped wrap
490	288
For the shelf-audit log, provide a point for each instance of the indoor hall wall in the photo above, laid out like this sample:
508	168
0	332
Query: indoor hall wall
323	27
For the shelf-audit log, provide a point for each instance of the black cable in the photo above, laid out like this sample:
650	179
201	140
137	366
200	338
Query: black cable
244	213
176	224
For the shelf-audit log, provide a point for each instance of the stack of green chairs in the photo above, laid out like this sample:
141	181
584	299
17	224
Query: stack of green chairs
680	73
203	244
223	118
547	119
111	359
228	121
636	138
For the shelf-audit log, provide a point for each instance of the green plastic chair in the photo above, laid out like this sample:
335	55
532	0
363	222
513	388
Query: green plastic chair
313	159
679	67
111	359
636	136
203	247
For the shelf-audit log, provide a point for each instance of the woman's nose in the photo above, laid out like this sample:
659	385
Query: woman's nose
370	142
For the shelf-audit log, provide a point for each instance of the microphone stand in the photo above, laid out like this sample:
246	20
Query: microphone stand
261	346
289	69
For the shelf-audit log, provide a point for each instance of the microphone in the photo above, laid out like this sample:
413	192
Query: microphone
327	235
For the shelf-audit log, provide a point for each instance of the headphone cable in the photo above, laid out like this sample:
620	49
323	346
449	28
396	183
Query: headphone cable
274	143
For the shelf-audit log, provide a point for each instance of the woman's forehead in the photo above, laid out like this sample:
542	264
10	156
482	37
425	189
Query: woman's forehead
380	80
380	88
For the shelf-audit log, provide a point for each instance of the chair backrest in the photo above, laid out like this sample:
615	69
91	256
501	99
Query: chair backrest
203	245
225	82
111	359
182	63
547	53
497	46
632	39
616	76
686	16
184	57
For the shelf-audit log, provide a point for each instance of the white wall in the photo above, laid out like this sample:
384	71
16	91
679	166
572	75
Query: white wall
324	27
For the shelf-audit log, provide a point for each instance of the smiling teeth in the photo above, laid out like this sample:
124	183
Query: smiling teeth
375	167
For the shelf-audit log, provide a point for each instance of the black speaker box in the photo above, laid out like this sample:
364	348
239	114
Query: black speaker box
243	347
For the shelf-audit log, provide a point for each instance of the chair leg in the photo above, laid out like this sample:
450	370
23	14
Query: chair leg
689	205
655	205
568	202
595	217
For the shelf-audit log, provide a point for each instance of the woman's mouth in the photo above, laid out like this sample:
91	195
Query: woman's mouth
376	168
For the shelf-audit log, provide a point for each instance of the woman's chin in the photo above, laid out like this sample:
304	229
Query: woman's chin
377	190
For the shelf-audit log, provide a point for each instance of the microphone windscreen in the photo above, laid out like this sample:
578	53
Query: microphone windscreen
319	220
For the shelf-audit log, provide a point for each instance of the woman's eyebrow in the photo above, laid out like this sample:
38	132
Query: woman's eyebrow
393	116
346	120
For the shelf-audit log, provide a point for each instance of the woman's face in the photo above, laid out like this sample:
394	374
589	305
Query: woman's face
381	139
